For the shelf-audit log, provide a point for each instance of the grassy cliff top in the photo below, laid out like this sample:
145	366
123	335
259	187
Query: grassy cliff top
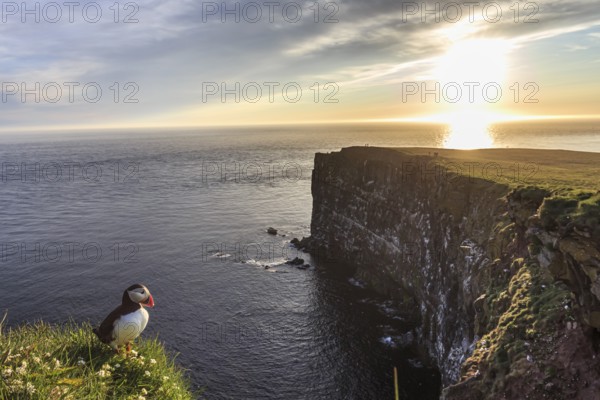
47	362
564	184
553	169
569	180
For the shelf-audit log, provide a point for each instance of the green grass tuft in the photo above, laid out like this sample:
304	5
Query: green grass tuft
578	208
526	313
40	361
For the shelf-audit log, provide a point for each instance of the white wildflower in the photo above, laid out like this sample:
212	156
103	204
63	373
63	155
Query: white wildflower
15	386
37	360
147	373
7	373
165	378
30	388
103	373
57	391
144	391
56	363
117	365
141	398
134	353
152	361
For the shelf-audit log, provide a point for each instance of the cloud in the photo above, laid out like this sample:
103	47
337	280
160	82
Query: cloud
576	47
177	45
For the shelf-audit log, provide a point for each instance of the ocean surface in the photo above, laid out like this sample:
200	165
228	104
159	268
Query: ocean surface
84	215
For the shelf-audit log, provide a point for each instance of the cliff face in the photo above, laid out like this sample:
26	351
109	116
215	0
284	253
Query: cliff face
473	257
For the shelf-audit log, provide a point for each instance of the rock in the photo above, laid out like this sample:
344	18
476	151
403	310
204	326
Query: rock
559	268
271	231
595	288
295	242
581	251
306	243
481	312
583	233
305	266
545	257
267	266
295	261
594	319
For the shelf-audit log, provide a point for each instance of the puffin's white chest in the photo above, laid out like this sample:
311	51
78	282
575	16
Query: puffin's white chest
129	326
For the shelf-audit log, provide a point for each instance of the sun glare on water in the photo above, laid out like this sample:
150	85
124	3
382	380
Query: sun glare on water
467	131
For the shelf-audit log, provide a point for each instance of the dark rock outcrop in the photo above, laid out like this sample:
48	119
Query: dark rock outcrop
295	261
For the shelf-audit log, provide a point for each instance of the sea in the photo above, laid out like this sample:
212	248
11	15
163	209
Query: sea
84	214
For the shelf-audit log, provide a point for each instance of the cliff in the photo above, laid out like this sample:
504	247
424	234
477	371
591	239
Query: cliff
497	250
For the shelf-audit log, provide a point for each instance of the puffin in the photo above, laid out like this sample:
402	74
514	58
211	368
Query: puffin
127	321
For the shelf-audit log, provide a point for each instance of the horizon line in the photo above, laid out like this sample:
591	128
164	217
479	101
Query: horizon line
430	119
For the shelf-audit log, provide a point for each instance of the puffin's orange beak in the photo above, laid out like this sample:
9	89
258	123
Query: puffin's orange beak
149	302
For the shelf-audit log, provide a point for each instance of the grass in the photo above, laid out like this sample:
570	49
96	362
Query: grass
40	361
577	208
566	181
521	167
522	315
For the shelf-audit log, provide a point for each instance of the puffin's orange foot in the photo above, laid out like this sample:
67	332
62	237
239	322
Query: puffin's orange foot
128	348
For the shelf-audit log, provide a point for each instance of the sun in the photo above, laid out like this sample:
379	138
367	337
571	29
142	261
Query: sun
479	60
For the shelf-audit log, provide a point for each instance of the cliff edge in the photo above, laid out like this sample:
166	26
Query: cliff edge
496	250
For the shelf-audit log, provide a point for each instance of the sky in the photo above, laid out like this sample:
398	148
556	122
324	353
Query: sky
163	63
